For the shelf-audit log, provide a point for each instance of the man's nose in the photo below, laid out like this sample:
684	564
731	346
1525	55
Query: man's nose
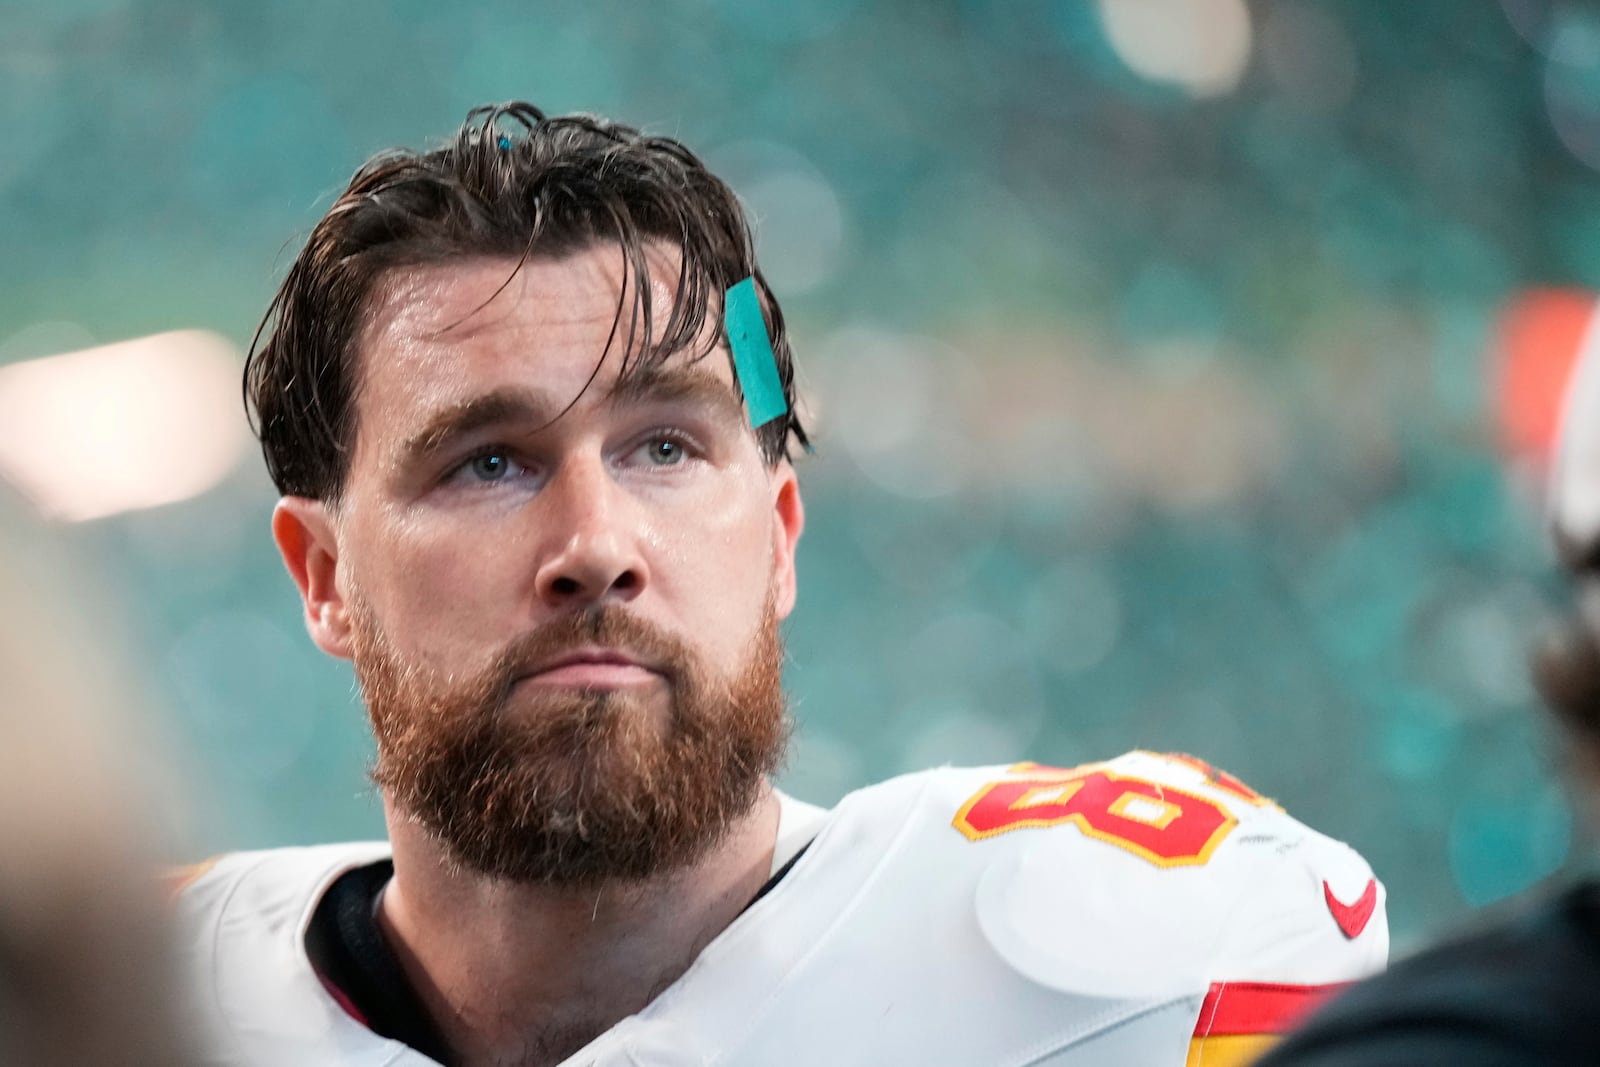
593	537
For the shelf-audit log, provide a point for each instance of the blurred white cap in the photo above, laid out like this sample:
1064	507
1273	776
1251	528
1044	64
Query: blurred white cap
1574	500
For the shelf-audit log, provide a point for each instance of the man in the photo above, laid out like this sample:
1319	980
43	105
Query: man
530	404
1525	990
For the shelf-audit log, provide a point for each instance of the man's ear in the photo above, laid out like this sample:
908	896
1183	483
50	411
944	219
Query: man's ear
309	544
788	520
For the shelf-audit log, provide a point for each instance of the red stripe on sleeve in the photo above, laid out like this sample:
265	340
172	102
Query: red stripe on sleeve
1258	1007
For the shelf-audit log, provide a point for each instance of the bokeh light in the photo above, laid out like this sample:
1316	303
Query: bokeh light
125	426
1202	46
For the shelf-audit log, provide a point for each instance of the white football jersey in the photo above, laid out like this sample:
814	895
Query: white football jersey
1141	912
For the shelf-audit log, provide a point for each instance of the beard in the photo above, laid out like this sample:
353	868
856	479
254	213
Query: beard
573	787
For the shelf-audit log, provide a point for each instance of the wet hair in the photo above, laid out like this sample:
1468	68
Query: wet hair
512	183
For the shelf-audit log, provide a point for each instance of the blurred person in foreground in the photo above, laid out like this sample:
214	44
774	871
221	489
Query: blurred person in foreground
84	964
530	404
1524	990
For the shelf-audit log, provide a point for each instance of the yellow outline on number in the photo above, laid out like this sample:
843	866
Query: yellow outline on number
1198	858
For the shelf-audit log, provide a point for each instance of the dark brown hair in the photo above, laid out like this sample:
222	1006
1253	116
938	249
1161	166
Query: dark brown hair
1566	673
511	183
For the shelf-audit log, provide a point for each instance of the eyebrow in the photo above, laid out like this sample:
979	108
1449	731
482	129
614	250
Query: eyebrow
497	407
691	383
520	404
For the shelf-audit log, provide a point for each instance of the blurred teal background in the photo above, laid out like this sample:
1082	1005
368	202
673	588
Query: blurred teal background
1149	345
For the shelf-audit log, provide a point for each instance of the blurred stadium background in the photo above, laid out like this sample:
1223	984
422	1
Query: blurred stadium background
1160	352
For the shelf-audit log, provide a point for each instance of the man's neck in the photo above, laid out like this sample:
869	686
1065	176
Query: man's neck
527	975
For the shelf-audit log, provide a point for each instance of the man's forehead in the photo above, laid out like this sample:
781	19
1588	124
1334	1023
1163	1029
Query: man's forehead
457	300
462	294
430	317
465	345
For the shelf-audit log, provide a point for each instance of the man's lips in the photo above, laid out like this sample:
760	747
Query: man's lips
592	668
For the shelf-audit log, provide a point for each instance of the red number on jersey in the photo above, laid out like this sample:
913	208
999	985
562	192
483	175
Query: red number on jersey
1167	826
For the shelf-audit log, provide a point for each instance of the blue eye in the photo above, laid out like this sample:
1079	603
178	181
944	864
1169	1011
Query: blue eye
665	452
489	467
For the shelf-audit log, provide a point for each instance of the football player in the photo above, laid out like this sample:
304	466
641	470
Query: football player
530	404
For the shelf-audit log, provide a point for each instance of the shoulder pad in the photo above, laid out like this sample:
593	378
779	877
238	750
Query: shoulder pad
1100	869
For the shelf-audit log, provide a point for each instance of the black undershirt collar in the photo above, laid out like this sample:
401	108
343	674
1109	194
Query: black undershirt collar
349	952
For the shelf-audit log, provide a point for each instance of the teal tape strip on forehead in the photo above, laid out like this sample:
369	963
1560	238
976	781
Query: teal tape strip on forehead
752	354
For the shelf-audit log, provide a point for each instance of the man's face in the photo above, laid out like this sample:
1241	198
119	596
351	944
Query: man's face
562	594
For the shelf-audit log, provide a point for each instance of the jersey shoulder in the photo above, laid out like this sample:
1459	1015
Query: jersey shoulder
1161	855
253	877
239	921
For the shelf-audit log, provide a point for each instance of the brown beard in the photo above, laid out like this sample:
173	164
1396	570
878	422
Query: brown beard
571	788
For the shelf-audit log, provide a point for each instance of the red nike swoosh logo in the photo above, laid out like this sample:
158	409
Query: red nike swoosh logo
1353	918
